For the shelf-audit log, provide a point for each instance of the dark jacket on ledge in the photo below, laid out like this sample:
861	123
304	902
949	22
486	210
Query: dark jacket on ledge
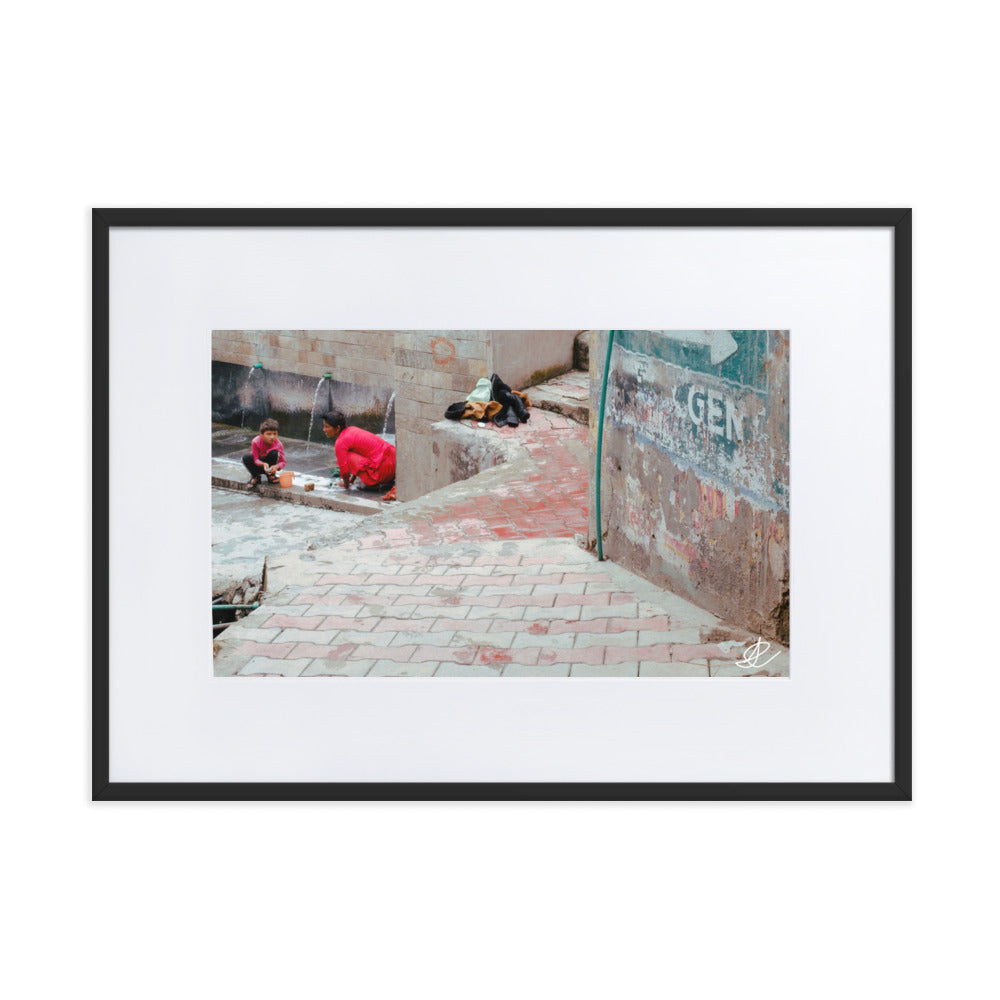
506	406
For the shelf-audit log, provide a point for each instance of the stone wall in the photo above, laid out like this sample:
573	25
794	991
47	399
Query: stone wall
526	357
695	473
432	369
358	357
242	399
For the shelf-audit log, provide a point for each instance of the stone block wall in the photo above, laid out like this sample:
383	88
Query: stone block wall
432	369
289	385
695	471
358	357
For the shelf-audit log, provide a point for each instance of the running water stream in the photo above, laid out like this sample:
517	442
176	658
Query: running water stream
312	412
388	410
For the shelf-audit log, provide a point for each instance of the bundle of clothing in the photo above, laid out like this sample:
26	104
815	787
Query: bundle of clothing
492	399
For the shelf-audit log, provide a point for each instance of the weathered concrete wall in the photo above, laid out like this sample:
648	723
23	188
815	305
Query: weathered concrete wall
240	400
461	450
527	357
359	361
694	485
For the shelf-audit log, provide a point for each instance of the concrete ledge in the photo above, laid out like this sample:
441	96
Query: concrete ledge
460	449
230	476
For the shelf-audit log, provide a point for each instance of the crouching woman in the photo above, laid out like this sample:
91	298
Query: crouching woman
360	454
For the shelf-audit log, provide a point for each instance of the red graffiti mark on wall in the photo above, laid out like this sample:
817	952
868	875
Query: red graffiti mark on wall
711	504
443	350
701	517
684	549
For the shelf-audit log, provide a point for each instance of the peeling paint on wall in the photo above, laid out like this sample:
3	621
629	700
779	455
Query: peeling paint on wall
719	427
696	488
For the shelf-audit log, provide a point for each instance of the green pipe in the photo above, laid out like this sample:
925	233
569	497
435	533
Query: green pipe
600	444
235	607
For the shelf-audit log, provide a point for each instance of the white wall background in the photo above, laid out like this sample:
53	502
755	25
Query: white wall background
541	104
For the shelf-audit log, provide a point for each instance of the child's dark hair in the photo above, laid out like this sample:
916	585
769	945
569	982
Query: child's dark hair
269	425
334	418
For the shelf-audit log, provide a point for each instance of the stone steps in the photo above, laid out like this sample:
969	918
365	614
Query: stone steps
567	395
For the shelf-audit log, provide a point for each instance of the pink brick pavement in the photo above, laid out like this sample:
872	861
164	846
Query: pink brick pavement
438	586
549	502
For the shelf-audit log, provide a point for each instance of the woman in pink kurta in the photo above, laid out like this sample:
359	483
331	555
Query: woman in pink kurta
360	454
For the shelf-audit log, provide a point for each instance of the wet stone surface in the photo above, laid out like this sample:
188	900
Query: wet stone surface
315	457
246	528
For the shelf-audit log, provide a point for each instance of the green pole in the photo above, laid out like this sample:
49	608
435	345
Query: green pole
600	445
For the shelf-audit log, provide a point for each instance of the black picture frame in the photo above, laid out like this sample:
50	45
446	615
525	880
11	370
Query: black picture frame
898	220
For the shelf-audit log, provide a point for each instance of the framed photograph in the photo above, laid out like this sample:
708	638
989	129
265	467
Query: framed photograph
499	504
